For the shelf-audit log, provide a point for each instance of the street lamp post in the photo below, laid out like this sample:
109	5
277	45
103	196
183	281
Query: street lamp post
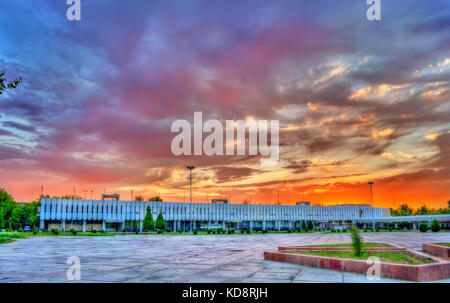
371	198
371	194
190	193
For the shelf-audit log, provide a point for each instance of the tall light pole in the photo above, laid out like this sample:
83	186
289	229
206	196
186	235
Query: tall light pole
190	190
371	194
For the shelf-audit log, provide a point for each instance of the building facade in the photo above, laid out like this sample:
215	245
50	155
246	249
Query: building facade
87	215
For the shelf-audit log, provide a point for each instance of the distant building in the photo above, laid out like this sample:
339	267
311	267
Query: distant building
115	215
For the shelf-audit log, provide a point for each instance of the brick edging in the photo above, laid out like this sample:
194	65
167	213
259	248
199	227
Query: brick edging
437	250
424	272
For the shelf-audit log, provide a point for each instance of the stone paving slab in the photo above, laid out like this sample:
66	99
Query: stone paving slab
166	259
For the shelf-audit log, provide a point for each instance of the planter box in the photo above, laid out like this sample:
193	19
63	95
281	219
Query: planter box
437	250
283	248
425	272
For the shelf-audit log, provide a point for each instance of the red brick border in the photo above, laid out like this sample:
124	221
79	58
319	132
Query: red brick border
436	249
282	248
425	272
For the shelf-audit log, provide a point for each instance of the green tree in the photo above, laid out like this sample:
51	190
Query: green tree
10	211
423	227
149	223
160	222
310	225
156	198
5	84
304	225
356	241
435	226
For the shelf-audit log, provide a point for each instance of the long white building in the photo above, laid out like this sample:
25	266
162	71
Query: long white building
87	215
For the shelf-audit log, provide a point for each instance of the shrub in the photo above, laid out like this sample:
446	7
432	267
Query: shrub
209	231
20	230
102	231
289	231
160	222
94	231
377	229
169	230
55	231
423	227
344	230
124	230
265	231
435	226
73	231
195	231
391	228
35	231
160	231
365	230
136	231
356	241
186	230
180	231
332	230
248	231
148	223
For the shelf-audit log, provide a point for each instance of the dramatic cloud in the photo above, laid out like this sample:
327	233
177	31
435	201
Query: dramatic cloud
356	100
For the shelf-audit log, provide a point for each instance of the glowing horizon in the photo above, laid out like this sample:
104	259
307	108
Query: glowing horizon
357	101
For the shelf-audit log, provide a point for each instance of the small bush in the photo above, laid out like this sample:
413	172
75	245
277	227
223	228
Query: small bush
103	231
356	241
377	229
248	231
423	227
186	230
55	231
94	231
391	228
344	230
242	231
20	230
365	230
332	230
124	230
265	231
195	231
169	230
209	231
160	231
35	231
435	226
73	231
289	231
180	231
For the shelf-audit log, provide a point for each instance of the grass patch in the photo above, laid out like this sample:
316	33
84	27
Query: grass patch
368	244
443	244
9	237
389	257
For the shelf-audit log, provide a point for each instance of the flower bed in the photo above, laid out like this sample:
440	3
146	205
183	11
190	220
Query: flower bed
395	262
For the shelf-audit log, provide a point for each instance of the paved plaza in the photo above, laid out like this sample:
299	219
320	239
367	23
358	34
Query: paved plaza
181	258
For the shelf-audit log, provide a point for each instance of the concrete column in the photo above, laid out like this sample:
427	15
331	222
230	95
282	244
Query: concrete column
63	225
415	226
237	226
103	225
122	226
41	225
84	226
290	224
141	225
263	225
251	226
209	224
223	224
279	225
396	225
373	226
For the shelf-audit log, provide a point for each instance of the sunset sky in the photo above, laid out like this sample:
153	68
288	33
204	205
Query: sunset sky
356	100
